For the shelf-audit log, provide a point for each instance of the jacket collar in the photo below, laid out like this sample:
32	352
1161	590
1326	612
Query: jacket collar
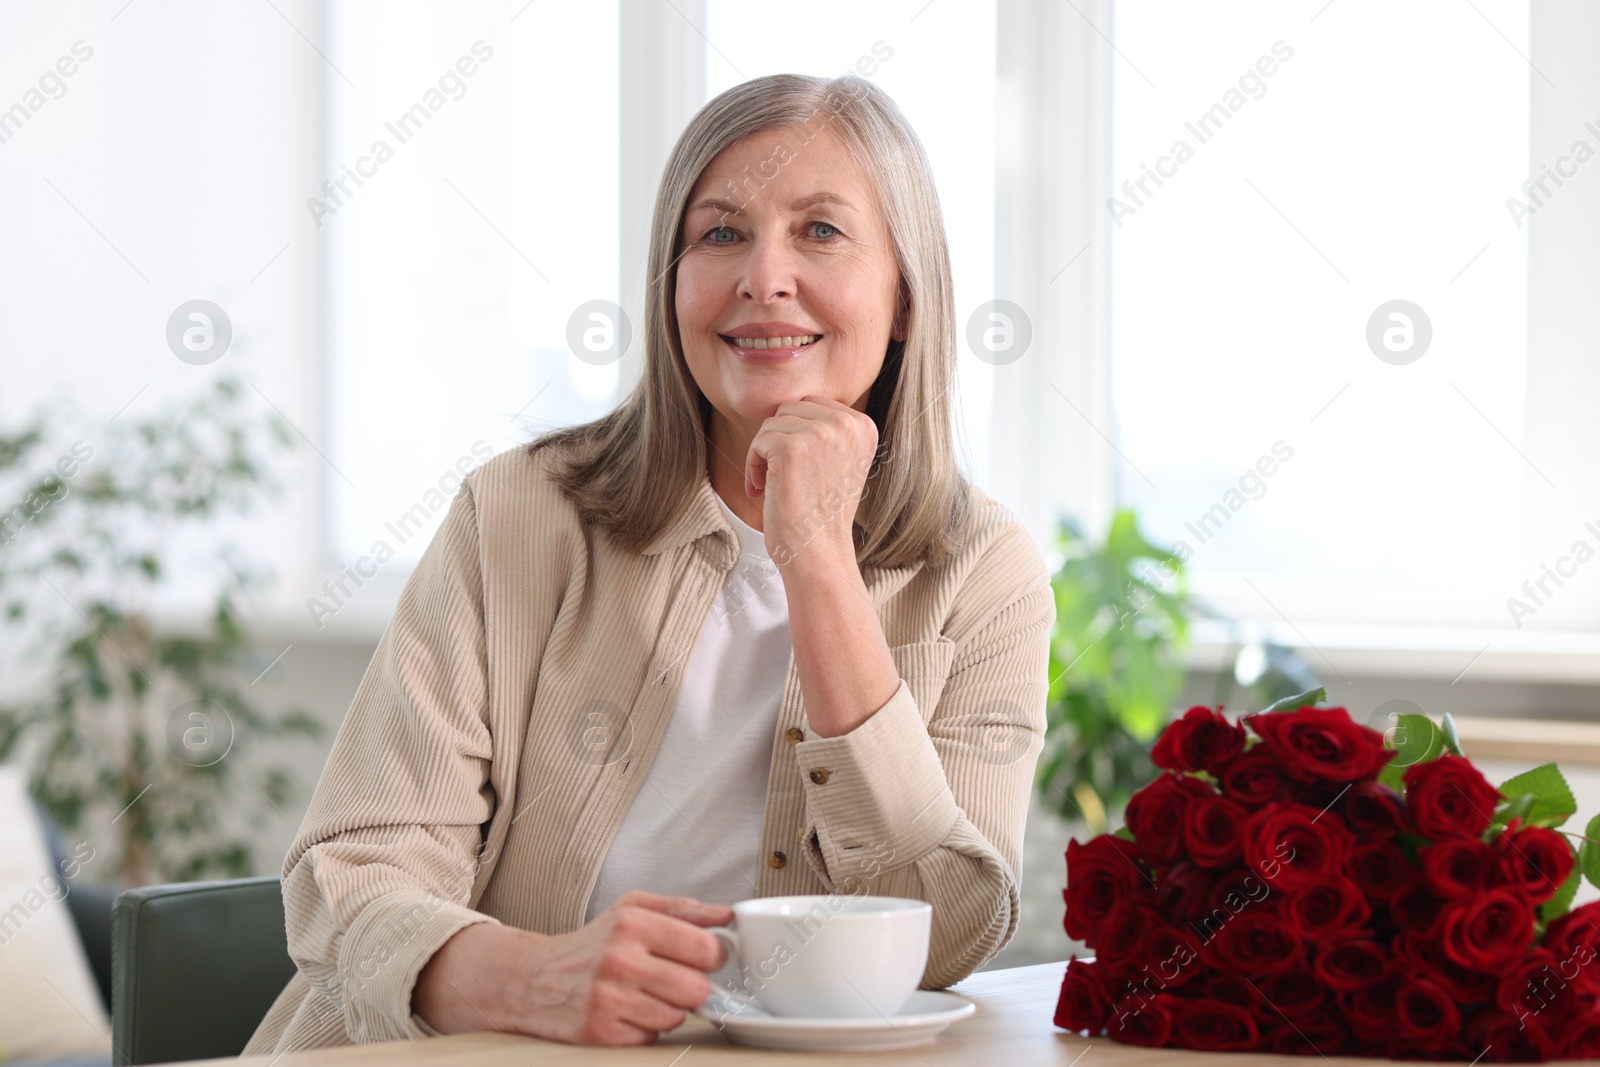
699	517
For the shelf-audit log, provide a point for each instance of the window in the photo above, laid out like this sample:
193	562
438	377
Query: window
565	160
453	268
1278	183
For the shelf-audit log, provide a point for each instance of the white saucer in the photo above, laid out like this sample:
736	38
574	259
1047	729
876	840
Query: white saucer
925	1016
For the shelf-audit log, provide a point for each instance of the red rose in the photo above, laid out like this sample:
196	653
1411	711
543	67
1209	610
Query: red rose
1488	930
1426	956
1294	995
1213	1026
1321	744
1350	965
1142	1020
1319	795
1231	987
1099	874
1202	740
1459	867
1373	809
1414	906
1379	868
1447	797
1425	1013
1507	1040
1183	890
1172	955
1293	845
1535	860
1582	1040
1574	939
1255	942
1534	987
1331	908
1211	831
1084	1003
1253	779
1371	1008
1235	891
1320	1033
1155	815
1119	945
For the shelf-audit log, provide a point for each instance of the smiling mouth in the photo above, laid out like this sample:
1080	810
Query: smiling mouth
762	343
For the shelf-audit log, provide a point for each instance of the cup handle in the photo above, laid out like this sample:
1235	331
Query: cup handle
724	1001
729	938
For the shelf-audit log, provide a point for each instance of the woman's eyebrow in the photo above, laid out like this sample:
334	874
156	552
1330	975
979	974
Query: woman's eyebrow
725	208
722	207
820	198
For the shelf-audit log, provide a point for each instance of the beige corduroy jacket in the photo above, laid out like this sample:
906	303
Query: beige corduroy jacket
516	699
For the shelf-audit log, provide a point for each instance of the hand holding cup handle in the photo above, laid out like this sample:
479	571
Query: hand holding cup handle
633	972
724	1001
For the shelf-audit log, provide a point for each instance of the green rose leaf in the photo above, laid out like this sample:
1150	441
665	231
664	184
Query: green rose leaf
1516	807
1589	852
1553	803
1124	833
1299	700
1415	740
1558	905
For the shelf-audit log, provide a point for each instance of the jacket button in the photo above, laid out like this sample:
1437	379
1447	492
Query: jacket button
819	775
795	735
777	859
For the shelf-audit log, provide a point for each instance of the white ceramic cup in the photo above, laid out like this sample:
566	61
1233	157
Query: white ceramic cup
829	956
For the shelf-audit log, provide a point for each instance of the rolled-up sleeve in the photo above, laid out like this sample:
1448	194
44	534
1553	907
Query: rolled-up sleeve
931	802
381	871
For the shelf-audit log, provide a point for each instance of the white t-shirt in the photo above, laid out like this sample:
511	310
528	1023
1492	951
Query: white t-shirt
694	827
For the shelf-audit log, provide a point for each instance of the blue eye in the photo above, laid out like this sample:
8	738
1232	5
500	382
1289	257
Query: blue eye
719	229
826	225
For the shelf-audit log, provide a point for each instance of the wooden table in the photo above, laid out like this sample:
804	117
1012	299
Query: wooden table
1011	1028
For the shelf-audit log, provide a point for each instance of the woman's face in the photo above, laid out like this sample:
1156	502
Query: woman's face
785	237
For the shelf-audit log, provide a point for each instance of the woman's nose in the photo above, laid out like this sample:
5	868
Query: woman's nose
769	271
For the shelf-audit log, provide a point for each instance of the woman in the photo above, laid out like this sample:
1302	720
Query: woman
750	634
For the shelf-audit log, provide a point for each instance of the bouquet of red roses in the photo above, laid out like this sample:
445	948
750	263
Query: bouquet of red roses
1296	882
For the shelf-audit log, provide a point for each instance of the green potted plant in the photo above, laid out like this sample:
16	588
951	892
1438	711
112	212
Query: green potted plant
134	730
1116	666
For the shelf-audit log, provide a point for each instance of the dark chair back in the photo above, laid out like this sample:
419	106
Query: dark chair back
195	966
